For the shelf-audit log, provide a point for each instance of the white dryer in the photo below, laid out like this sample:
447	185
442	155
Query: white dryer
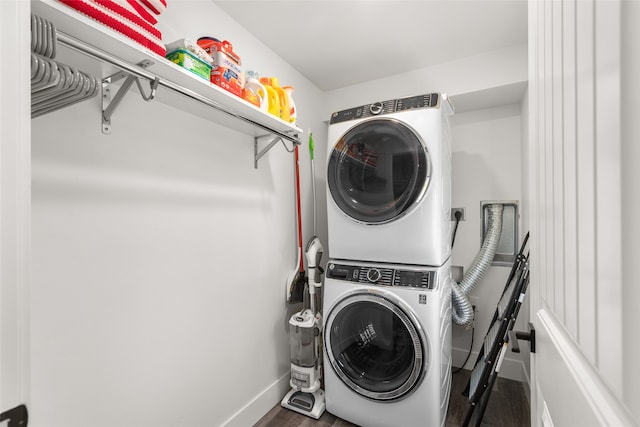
387	341
389	182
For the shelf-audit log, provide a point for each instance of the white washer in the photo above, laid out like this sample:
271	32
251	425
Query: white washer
387	342
389	182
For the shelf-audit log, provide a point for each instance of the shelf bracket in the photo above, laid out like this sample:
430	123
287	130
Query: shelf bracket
258	154
109	103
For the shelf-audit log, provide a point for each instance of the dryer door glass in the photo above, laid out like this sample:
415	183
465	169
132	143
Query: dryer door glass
374	347
378	170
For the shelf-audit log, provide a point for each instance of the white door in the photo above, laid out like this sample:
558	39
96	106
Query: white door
585	188
15	179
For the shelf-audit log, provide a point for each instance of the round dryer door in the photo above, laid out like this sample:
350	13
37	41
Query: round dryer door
375	347
378	170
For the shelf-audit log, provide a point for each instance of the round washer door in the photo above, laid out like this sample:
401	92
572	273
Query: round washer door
375	347
378	170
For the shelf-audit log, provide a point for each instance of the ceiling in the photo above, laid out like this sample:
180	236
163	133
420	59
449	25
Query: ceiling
338	43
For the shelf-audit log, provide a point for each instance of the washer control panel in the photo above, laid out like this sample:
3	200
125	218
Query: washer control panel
376	108
385	107
382	276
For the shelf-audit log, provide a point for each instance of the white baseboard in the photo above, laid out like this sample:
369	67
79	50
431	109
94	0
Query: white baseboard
512	369
260	405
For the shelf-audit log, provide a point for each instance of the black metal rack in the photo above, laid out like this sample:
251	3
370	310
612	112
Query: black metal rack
497	339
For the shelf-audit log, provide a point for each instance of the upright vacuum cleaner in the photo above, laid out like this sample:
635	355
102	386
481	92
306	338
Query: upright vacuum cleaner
306	396
305	326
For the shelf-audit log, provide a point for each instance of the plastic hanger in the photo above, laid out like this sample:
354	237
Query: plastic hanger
54	85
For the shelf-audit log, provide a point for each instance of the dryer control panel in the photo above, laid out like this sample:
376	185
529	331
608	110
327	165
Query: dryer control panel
385	107
382	276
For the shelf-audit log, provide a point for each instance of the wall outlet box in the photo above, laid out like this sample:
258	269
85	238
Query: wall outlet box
456	210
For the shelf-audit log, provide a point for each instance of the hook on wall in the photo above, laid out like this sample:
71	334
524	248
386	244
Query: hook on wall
154	86
257	153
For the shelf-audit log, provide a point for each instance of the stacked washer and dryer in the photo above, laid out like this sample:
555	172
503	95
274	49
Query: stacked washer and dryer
387	292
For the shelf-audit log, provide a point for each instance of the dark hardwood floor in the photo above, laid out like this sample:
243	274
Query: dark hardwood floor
508	407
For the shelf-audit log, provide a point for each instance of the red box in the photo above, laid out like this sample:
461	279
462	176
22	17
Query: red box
226	68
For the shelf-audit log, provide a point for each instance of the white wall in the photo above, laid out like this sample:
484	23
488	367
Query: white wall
477	73
160	257
255	55
204	18
486	146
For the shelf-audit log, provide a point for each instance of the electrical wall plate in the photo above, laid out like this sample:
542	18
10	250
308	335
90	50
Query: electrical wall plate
454	211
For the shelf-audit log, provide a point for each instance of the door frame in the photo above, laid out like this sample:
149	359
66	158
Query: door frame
15	203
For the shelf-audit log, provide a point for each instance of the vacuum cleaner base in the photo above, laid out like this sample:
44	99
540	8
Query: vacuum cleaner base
309	404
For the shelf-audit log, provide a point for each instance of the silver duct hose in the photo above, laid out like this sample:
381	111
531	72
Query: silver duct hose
462	309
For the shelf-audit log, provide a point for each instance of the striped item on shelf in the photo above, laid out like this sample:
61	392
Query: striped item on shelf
143	12
128	17
156	6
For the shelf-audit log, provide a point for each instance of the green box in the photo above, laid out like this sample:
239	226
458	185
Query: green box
186	59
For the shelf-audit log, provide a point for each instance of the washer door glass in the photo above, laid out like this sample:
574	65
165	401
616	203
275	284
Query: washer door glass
378	170
374	347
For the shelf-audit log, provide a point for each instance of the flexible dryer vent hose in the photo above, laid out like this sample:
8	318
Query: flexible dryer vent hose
462	308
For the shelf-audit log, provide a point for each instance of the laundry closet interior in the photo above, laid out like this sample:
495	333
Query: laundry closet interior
160	249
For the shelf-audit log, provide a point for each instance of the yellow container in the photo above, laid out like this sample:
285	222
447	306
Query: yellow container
272	97
273	100
293	114
284	100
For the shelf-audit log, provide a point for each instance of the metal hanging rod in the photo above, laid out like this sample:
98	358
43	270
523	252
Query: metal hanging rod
101	55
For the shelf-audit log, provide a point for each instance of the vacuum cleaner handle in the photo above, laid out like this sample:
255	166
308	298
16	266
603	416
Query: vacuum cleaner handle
298	203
